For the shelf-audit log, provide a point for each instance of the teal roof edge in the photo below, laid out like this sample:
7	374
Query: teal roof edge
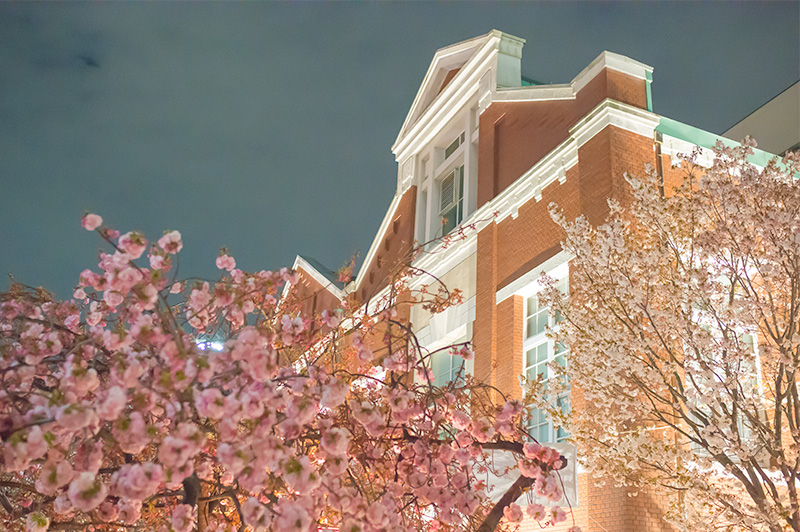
679	130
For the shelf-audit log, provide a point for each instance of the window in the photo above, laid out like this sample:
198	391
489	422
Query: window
451	149
451	199
446	367
540	353
705	370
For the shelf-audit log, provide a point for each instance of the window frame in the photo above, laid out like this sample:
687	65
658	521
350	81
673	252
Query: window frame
546	430
457	204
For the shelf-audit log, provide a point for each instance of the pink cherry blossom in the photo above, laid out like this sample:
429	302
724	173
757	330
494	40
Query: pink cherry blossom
129	511
127	404
114	404
37	522
56	473
513	513
133	243
86	492
90	222
183	518
171	242
226	262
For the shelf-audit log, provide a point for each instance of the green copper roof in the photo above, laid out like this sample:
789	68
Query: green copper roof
693	135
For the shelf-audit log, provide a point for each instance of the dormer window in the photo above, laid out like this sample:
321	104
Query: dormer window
451	149
451	199
445	177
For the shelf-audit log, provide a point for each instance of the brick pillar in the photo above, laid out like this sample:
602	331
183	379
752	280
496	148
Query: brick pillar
485	326
509	346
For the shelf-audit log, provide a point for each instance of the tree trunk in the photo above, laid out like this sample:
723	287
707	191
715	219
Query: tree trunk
493	517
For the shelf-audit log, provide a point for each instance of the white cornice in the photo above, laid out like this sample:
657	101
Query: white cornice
676	148
535	93
553	166
373	248
466	55
301	263
446	105
445	256
612	61
568	91
440	60
614	113
525	285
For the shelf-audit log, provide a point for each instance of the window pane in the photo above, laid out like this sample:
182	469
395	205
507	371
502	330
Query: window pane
541	353
530	357
440	365
530	327
449	220
451	148
541	321
457	363
543	434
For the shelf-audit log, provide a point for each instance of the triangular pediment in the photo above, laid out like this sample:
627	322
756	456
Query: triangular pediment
450	65
444	68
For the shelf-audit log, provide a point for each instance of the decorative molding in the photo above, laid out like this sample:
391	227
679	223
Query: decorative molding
301	263
406	175
470	56
485	91
373	248
460	93
612	61
613	113
447	326
554	166
509	44
535	93
527	284
443	258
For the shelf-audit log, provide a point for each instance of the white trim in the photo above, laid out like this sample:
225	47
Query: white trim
447	326
440	59
474	56
458	94
440	259
300	262
554	165
373	248
535	93
613	113
675	147
477	46
527	284
612	61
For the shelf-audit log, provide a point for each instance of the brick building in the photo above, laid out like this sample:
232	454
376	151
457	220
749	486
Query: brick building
482	144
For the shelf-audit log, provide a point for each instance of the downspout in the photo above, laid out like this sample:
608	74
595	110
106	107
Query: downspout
657	141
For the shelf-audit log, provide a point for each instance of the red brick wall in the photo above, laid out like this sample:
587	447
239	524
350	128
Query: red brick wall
484	336
509	346
533	237
313	297
394	248
514	246
516	135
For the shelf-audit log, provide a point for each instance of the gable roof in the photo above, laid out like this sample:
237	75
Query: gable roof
324	276
449	63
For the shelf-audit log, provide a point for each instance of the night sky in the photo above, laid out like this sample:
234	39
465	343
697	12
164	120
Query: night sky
266	128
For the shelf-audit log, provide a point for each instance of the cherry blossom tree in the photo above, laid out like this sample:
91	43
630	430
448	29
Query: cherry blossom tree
683	329
148	403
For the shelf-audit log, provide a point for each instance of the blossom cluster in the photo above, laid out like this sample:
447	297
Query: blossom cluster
114	415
